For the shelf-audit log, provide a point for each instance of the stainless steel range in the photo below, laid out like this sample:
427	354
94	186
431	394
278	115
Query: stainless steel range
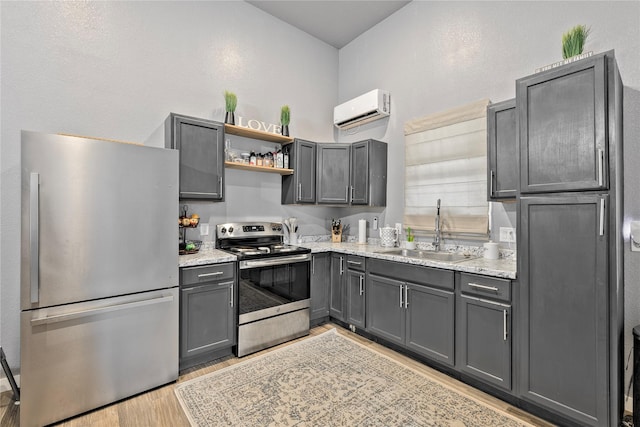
273	285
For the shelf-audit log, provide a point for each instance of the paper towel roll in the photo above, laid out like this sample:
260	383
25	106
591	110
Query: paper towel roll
491	250
362	231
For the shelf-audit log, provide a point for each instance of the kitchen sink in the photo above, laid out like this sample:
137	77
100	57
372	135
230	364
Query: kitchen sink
436	256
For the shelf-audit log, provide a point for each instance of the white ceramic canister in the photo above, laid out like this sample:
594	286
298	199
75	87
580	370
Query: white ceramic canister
388	236
491	250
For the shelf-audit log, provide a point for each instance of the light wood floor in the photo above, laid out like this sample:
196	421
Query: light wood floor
160	407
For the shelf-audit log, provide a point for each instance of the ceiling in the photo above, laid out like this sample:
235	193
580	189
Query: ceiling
335	22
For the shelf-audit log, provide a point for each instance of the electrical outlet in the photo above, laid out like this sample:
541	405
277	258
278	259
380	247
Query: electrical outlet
204	229
507	234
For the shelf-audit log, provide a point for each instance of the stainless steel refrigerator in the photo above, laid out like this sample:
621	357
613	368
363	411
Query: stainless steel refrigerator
99	274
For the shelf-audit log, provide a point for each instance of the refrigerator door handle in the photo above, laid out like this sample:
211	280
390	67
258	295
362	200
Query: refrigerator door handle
47	320
34	236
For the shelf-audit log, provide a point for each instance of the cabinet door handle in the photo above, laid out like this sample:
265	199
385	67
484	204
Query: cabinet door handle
352	193
504	323
600	167
401	290
354	262
313	265
299	191
217	273
406	296
341	265
361	285
231	288
221	187
483	287
492	176
602	217
346	193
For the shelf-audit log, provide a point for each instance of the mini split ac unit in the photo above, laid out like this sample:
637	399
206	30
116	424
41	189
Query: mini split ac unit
373	105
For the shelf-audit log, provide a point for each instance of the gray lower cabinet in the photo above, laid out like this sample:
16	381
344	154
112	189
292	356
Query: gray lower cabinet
355	291
201	146
484	330
564	302
207	312
338	297
415	308
502	141
320	286
333	173
301	186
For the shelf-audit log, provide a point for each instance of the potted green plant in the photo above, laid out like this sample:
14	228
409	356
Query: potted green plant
410	244
230	102
573	41
285	118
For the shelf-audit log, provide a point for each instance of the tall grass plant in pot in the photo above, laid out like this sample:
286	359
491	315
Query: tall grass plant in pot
230	103
285	119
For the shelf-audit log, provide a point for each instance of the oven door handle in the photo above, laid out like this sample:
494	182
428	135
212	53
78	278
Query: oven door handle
267	262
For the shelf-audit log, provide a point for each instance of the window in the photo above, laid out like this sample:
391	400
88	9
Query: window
446	158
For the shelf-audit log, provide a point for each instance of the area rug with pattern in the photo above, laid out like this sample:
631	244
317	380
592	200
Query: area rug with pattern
329	380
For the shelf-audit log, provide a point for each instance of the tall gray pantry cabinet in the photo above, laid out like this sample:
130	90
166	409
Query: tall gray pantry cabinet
570	242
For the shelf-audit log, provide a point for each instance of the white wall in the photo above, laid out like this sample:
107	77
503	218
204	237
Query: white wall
433	56
117	69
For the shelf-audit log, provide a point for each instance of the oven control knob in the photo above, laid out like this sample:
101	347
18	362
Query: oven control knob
279	228
223	230
230	229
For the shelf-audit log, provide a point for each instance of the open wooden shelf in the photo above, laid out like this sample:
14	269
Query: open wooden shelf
257	134
242	166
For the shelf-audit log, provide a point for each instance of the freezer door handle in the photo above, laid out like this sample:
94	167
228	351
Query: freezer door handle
47	320
34	236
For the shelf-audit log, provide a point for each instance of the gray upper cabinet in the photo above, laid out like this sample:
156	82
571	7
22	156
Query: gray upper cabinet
564	303
201	146
301	186
562	118
320	286
502	141
352	174
333	173
369	173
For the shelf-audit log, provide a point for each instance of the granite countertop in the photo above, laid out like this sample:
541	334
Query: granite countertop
505	268
207	254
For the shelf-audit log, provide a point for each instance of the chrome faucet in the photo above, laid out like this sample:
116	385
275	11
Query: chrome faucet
438	237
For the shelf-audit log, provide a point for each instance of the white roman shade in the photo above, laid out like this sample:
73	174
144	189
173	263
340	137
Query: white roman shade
446	158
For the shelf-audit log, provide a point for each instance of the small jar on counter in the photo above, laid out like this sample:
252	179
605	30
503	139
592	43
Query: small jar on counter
245	158
259	160
252	159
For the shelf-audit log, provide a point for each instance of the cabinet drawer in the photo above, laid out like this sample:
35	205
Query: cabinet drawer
485	287
355	262
413	273
206	273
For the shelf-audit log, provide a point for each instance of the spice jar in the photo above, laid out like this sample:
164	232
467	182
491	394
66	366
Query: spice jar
259	160
245	158
268	160
252	159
